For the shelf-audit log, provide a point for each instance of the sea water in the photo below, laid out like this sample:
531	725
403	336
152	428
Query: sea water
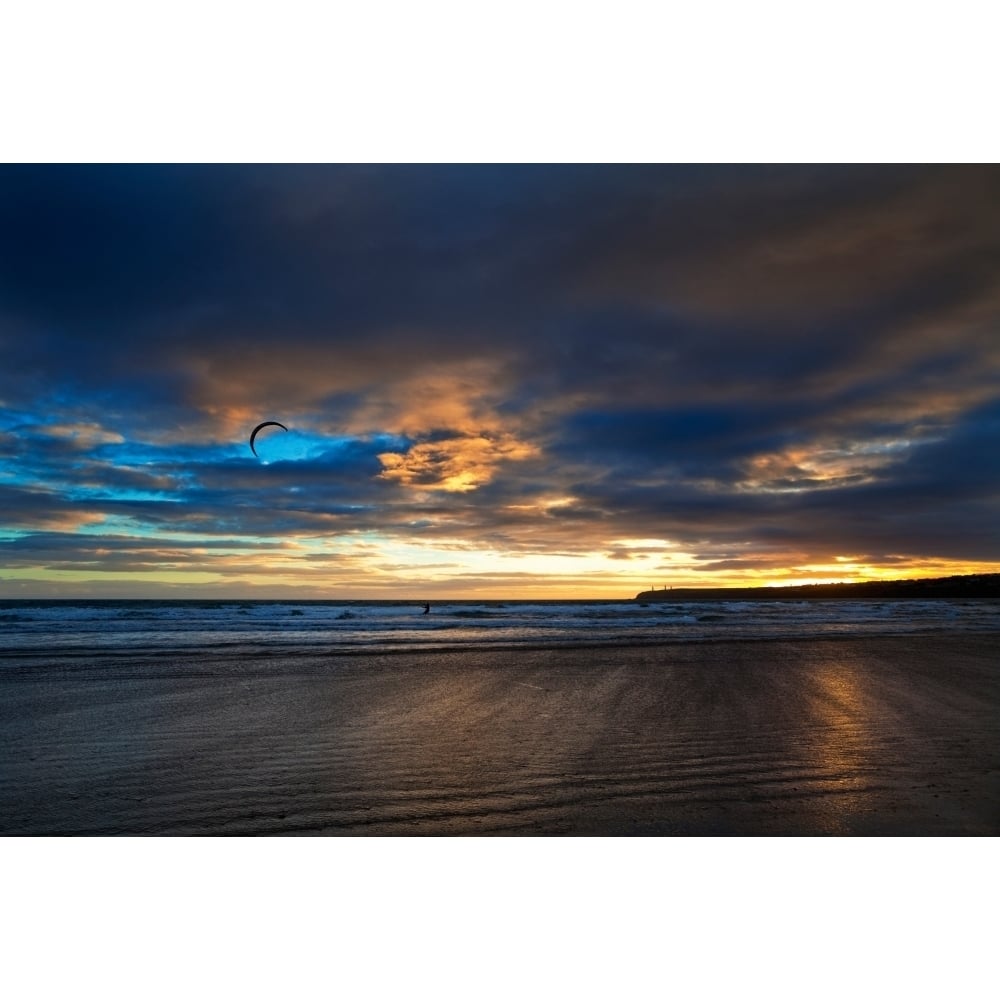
32	628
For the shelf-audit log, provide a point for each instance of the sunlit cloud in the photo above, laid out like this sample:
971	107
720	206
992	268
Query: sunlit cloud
454	465
830	466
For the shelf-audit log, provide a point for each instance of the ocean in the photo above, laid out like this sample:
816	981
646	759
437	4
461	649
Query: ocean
33	629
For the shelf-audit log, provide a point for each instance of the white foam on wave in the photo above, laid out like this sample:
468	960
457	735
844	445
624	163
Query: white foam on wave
153	626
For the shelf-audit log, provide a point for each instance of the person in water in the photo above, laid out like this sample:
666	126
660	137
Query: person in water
427	609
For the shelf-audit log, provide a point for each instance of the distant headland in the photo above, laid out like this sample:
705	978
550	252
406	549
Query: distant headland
976	586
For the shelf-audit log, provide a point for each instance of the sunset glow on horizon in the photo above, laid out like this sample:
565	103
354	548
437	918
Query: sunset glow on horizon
557	382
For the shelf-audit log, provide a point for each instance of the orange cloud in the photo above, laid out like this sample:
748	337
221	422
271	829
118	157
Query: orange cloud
822	465
80	436
461	396
454	465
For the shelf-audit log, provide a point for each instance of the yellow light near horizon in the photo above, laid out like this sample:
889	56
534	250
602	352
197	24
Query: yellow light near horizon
852	572
181	577
370	566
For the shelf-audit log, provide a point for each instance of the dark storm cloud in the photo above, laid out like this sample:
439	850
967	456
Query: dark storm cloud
755	362
791	243
689	436
104	247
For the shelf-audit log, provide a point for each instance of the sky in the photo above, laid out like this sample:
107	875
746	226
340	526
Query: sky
510	381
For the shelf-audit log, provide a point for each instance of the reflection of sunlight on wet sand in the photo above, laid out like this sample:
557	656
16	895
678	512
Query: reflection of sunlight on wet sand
841	745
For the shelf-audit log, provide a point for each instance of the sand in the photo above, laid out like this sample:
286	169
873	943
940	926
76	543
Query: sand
891	736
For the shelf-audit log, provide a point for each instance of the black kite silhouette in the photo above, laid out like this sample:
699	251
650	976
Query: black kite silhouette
267	423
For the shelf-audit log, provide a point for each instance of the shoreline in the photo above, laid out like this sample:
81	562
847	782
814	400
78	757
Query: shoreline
975	587
888	735
48	658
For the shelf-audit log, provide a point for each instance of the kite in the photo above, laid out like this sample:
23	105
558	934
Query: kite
267	423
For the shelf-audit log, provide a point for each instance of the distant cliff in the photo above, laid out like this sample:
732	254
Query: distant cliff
981	585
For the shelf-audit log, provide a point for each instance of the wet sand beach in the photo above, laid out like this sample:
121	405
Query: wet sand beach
880	736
